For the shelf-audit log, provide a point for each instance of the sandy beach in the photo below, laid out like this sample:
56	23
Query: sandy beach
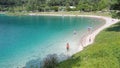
89	38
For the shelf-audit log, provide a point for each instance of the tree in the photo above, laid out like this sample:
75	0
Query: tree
116	8
41	5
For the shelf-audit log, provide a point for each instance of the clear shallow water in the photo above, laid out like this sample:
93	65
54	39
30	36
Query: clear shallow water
23	38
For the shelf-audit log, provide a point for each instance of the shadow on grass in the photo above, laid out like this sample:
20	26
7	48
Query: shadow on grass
115	27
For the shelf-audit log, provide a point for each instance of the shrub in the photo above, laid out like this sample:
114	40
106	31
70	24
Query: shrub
55	8
50	61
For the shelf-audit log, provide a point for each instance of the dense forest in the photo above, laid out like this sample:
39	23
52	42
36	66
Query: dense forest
57	5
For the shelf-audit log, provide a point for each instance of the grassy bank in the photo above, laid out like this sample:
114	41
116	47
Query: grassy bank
103	53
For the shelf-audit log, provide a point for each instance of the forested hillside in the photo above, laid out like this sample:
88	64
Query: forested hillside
55	5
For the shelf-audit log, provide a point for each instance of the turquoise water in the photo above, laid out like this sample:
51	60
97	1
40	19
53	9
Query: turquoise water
23	38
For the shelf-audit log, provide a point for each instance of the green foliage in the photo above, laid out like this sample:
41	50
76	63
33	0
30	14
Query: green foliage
50	61
68	7
84	7
103	53
116	7
55	8
93	5
33	5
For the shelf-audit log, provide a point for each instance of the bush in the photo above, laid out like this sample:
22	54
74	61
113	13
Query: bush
115	14
55	8
50	61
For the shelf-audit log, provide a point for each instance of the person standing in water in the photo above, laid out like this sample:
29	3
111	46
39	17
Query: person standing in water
74	32
67	46
89	29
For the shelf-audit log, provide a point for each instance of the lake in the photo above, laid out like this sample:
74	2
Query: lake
24	38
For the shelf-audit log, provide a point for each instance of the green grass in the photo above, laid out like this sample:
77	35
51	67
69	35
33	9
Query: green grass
103	53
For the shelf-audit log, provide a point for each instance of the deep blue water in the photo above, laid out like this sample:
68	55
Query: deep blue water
23	38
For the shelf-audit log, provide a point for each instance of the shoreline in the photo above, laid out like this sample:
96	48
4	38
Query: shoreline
108	22
88	38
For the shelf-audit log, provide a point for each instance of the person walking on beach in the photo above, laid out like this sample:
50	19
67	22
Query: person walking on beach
67	46
89	32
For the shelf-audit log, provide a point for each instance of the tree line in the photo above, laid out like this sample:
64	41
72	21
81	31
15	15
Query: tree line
57	5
